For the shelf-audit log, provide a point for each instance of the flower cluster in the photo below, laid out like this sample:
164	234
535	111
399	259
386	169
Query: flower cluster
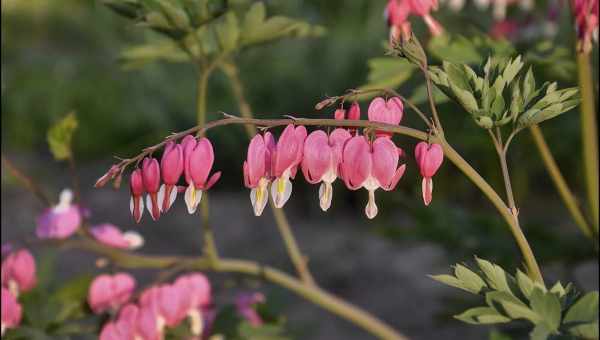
360	161
193	158
398	11
18	276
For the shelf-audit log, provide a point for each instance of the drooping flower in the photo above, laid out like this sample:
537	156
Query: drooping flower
429	159
60	221
151	180
245	304
586	21
112	236
371	166
321	160
339	114
398	11
136	203
110	291
199	159
285	160
354	111
257	170
389	112
11	311
171	168
19	272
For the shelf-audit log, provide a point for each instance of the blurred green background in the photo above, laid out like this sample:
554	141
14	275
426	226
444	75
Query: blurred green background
63	55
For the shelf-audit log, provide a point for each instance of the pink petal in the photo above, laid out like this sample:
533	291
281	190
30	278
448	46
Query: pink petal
339	114
136	183
256	163
385	160
110	235
317	156
201	162
354	112
397	176
187	144
337	140
287	151
213	180
171	164
151	174
356	162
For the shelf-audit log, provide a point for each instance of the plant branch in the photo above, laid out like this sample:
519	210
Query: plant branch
589	132
26	181
560	183
312	293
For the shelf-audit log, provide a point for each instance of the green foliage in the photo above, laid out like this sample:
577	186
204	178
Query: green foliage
468	50
205	30
60	136
503	95
559	311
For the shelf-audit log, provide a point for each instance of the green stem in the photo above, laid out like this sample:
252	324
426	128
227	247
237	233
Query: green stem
533	268
285	230
559	181
589	132
209	245
311	293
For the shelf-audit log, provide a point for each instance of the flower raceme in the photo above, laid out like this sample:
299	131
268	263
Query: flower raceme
429	159
19	272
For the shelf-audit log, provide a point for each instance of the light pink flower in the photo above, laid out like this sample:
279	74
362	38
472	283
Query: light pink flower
245	304
112	236
429	159
257	170
19	272
198	164
60	221
132	323
151	180
371	167
321	160
398	11
171	168
389	112
110	291
284	163
136	186
11	311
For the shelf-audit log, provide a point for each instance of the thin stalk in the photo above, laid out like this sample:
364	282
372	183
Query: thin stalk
299	260
74	178
26	181
318	296
209	245
559	181
589	132
533	268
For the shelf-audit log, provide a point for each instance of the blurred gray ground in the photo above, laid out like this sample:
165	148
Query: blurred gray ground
386	278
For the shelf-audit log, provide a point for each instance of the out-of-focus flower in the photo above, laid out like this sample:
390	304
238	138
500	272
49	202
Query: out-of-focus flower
60	221
398	11
245	304
110	291
112	236
322	159
586	21
19	272
429	159
11	311
198	164
371	166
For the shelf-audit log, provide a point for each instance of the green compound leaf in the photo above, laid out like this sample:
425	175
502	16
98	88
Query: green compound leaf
60	136
482	315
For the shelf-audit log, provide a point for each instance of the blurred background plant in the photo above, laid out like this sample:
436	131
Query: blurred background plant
63	55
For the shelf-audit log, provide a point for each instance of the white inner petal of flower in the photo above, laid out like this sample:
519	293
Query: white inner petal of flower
325	195
192	198
196	321
134	239
64	202
371	208
259	196
281	190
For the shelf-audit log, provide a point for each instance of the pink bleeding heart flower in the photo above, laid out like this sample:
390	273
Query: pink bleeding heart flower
151	180
169	302
136	187
19	272
285	161
132	323
198	293
171	168
354	111
257	170
371	167
198	164
245	304
11	311
429	159
389	112
60	221
321	161
110	291
339	114
112	236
